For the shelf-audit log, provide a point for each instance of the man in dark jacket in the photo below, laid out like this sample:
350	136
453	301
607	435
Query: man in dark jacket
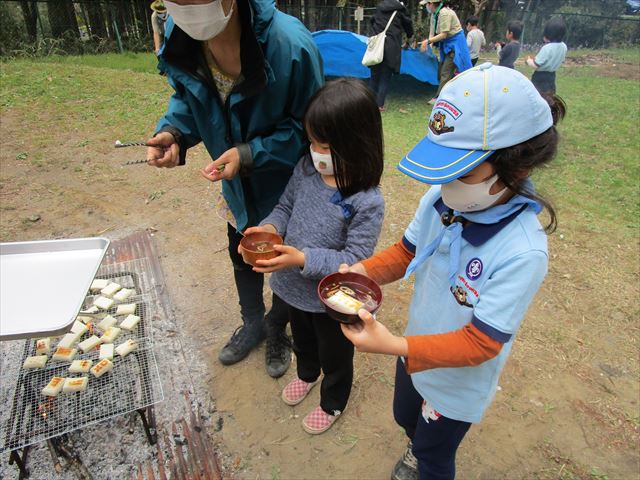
381	73
243	73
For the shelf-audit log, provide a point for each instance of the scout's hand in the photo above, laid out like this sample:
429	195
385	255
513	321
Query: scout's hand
264	228
423	45
373	337
165	152
356	267
226	166
289	257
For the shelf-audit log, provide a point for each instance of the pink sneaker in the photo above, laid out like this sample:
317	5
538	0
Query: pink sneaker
296	391
319	421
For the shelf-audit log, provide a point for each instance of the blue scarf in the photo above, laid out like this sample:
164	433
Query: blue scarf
486	217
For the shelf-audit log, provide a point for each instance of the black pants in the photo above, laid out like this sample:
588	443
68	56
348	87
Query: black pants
249	285
545	82
379	82
319	344
474	61
434	443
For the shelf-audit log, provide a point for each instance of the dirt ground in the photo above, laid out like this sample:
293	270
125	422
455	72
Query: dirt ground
568	400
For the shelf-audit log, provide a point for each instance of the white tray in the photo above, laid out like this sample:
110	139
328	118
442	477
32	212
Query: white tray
43	284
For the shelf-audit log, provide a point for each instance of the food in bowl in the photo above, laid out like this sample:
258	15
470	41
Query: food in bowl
259	246
344	294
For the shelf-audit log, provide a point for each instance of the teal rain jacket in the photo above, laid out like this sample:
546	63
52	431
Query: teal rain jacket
281	70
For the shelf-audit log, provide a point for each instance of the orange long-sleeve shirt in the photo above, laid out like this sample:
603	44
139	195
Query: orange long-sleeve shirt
461	348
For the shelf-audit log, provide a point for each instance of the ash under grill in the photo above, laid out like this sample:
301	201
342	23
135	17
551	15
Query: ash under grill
132	385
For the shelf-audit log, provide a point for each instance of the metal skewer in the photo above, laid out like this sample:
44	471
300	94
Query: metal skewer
120	144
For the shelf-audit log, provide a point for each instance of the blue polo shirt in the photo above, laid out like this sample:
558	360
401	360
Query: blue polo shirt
501	268
551	56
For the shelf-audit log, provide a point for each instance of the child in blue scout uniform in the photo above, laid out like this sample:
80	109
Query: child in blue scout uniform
330	213
479	255
550	56
243	73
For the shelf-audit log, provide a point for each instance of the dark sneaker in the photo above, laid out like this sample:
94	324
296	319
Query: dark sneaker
278	354
407	466
243	340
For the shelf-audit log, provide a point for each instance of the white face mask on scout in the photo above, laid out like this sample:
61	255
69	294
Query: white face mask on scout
200	22
465	197
322	162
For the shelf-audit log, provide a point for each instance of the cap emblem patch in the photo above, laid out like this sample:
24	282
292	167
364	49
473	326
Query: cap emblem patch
437	126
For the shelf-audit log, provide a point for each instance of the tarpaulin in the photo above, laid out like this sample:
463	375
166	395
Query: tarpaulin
342	53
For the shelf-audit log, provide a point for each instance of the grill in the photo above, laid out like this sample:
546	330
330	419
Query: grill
133	385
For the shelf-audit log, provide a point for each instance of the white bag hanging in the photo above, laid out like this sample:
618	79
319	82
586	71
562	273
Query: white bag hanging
375	46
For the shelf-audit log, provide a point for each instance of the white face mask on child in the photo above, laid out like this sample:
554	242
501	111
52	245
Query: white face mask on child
200	22
465	197
322	162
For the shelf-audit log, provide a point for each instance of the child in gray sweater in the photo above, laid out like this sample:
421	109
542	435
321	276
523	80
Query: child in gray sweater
330	213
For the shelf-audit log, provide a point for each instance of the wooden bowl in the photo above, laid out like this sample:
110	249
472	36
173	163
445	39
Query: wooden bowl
355	285
259	246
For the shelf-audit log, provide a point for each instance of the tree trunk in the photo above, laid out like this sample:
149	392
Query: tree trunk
96	19
30	15
62	18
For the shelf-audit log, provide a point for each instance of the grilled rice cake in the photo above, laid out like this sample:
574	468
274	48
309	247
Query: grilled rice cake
54	387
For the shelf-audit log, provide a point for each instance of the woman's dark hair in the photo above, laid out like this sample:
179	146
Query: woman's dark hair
345	115
513	164
515	27
555	29
473	21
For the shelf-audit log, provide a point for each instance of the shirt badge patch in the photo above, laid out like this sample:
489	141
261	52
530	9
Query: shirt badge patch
461	296
437	125
474	268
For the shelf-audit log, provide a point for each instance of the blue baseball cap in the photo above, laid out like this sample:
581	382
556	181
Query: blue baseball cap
479	111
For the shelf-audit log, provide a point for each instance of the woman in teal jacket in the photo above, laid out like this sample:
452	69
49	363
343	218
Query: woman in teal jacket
243	73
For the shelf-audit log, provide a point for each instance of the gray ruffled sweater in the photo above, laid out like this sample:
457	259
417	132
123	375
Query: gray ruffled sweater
313	217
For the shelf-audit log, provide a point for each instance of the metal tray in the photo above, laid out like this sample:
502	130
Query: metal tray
43	284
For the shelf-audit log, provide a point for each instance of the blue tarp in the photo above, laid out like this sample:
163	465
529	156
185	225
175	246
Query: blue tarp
342	53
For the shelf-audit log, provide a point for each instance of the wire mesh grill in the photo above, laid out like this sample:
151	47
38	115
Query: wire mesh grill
133	383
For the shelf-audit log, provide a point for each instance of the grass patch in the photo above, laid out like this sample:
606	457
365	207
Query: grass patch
594	180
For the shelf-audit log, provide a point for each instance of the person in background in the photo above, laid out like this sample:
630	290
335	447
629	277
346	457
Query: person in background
550	56
381	73
475	39
508	54
243	73
330	213
158	17
445	32
474	234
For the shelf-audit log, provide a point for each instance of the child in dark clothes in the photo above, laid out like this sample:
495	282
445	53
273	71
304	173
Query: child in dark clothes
508	53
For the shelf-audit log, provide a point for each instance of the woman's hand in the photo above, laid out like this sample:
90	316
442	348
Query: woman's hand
356	268
373	337
226	166
165	152
289	257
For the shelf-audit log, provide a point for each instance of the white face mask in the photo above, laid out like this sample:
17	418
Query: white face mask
465	197
322	162
200	22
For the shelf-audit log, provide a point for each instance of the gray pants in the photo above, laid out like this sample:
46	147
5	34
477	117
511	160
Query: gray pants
446	70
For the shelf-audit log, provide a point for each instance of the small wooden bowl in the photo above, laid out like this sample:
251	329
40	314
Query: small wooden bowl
259	246
361	284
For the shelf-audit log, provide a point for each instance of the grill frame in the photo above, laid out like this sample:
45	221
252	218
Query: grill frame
133	385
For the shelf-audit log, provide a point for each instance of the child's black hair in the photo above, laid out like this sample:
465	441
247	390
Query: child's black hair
513	164
555	29
515	27
345	115
472	20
